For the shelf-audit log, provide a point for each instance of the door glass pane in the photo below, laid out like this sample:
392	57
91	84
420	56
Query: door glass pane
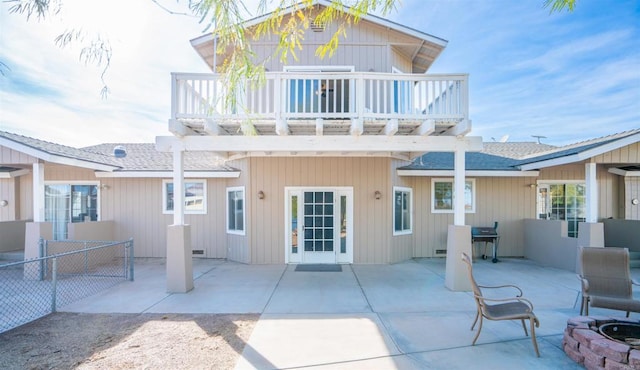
57	209
343	224
318	227
294	224
84	203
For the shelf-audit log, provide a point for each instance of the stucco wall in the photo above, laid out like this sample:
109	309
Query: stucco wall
12	235
622	233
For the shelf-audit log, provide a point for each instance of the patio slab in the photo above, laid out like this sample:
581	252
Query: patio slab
396	316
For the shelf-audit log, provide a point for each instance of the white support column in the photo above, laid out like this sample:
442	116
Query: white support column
179	260
592	192
178	187
38	192
458	187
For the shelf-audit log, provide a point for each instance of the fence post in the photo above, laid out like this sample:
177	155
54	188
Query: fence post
131	259
86	258
54	283
43	263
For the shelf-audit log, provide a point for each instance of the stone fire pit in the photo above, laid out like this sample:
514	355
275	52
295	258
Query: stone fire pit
584	343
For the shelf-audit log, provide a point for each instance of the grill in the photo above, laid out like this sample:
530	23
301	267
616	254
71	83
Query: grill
486	235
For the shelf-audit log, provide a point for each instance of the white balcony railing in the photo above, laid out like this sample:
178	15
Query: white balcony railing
326	95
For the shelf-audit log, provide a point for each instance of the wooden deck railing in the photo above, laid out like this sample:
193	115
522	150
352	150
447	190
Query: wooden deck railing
330	95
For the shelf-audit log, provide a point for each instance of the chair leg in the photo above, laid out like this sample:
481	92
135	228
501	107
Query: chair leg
627	313
478	333
582	305
524	327
586	307
533	334
476	319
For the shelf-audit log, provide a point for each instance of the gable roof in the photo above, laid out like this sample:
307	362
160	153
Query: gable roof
518	158
582	150
142	160
427	52
57	153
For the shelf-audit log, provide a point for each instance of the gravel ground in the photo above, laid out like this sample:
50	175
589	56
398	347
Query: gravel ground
127	341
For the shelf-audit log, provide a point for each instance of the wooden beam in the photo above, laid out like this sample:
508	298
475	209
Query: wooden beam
179	129
211	127
310	144
460	129
391	127
319	126
357	127
282	128
426	128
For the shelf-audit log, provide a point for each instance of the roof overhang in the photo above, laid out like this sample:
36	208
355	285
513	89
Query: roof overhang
54	158
581	156
13	172
623	172
168	174
470	173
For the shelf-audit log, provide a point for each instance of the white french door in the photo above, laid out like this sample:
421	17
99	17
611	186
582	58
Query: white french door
319	225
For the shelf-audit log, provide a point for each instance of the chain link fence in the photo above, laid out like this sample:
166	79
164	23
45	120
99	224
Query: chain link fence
67	272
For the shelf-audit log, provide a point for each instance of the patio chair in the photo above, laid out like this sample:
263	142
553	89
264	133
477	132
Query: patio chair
512	308
606	279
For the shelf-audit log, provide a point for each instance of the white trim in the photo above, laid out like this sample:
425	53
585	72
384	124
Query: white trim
312	144
450	180
474	173
12	174
560	182
393	211
581	156
186	211
319	68
371	18
625	173
169	174
54	158
244	210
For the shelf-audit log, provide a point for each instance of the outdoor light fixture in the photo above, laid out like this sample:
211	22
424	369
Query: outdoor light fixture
261	194
533	186
4	203
634	201
377	194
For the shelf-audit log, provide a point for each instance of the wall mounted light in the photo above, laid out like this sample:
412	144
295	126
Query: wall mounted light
634	201
104	187
377	194
261	194
533	186
4	203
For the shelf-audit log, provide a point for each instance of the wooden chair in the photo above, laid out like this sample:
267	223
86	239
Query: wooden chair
606	279
512	308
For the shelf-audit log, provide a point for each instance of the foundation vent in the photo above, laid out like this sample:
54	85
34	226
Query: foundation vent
197	251
441	252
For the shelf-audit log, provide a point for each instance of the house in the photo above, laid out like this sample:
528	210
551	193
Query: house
361	158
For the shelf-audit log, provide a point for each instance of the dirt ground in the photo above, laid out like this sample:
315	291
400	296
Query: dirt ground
127	341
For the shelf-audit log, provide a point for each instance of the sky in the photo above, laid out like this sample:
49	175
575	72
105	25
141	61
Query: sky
566	76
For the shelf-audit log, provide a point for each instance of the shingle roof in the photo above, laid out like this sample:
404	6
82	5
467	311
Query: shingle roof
144	157
59	150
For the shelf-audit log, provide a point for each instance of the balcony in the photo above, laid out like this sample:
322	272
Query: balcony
322	103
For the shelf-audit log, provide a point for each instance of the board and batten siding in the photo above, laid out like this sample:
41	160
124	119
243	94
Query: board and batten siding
632	191
10	157
507	200
401	246
628	154
367	47
10	192
372	227
239	246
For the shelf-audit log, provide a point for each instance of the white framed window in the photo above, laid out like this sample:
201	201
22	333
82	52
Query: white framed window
66	202
195	196
402	210
235	210
563	200
442	195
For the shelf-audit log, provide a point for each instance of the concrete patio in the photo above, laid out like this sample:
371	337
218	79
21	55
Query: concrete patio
397	316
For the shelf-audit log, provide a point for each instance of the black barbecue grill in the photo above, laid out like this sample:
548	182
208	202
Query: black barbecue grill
486	235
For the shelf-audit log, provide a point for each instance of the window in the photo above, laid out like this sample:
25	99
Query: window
442	196
65	203
402	210
564	201
235	210
195	196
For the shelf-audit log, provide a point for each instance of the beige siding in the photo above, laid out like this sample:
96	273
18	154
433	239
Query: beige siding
400	246
239	246
12	157
372	229
627	154
9	192
632	186
608	194
26	197
367	47
573	171
507	200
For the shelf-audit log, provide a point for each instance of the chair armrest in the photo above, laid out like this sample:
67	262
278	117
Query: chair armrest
502	286
585	283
